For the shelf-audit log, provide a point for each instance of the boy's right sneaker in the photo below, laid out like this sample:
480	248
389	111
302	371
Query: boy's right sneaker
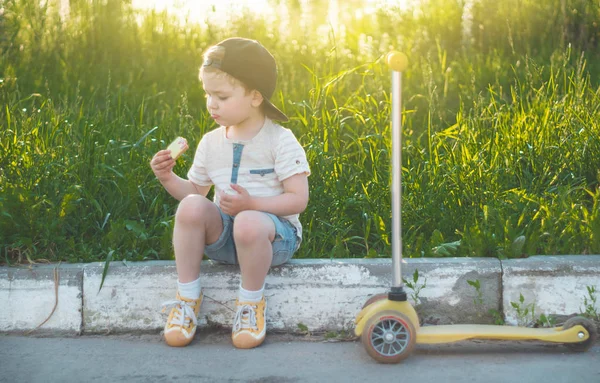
183	320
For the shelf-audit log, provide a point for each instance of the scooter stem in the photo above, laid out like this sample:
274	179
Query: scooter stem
396	178
397	62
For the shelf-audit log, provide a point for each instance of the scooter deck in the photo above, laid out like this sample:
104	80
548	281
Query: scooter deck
455	333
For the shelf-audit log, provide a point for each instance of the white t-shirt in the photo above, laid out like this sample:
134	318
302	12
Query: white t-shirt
259	165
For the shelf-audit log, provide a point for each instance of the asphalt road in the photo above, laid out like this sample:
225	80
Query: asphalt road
283	359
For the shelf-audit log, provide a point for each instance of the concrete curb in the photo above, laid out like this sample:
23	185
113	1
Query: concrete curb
556	285
320	294
27	297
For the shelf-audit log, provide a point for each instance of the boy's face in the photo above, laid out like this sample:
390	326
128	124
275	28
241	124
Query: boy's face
228	104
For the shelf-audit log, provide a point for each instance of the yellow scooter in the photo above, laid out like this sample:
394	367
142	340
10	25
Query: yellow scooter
389	326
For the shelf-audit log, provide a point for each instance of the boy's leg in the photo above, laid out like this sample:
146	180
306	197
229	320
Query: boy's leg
253	233
197	223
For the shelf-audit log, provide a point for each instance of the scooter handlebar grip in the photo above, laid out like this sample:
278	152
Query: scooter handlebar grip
397	61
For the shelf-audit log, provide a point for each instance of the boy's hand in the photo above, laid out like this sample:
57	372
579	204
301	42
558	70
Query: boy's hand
232	204
162	165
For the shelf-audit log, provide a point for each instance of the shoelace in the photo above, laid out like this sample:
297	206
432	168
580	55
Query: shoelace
183	312
245	318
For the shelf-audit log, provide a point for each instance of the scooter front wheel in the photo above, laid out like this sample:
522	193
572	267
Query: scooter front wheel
590	328
375	298
389	337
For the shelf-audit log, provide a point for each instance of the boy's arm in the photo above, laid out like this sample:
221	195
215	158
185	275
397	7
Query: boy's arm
293	200
180	188
162	165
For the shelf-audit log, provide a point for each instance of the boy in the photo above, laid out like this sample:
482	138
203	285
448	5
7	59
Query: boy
259	171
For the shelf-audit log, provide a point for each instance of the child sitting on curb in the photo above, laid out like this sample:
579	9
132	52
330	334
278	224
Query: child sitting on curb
259	171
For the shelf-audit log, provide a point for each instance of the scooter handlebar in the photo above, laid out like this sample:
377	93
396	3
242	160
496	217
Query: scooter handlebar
397	61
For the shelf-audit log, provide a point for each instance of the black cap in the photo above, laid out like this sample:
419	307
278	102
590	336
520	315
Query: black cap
251	63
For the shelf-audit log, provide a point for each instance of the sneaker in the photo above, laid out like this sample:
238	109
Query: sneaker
183	320
249	324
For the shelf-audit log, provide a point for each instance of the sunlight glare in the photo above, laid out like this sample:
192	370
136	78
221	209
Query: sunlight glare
197	11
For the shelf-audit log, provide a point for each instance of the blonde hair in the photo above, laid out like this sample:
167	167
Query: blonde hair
217	52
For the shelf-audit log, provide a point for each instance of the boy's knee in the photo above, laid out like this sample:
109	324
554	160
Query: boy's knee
192	209
248	227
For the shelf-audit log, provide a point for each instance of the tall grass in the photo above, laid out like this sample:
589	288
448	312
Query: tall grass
501	125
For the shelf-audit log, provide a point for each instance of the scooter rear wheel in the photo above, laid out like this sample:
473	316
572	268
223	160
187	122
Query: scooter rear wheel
389	337
591	329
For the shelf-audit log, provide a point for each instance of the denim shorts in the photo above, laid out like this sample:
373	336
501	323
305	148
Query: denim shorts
285	243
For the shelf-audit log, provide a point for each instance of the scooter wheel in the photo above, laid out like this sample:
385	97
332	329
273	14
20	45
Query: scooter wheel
591	329
389	337
375	298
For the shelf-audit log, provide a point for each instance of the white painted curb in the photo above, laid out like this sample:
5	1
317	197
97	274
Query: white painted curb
27	297
549	285
318	294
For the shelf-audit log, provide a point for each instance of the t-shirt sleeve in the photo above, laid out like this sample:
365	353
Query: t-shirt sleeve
290	157
198	173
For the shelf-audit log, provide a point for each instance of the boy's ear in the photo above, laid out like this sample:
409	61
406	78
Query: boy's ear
257	98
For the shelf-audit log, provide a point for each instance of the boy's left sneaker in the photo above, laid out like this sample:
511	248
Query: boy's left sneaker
249	324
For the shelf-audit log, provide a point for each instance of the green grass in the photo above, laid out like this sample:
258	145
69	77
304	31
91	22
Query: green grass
501	136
